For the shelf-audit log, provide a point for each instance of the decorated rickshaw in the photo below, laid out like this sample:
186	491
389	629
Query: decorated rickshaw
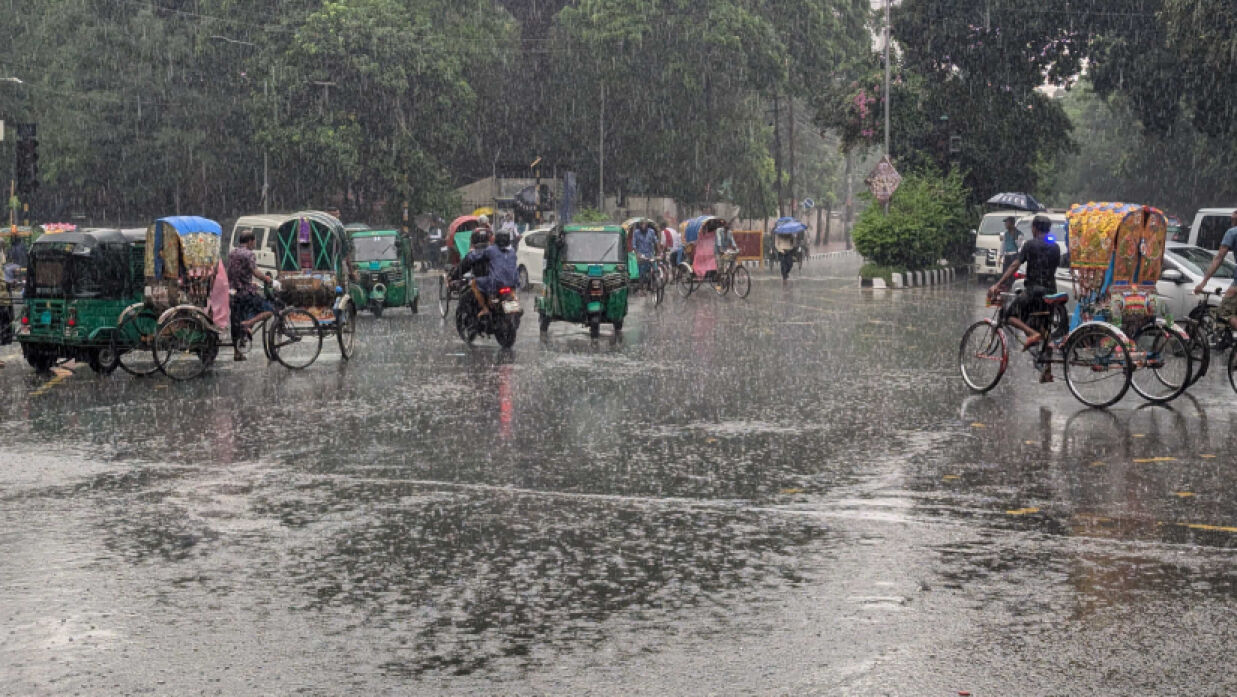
1114	339
312	258
700	262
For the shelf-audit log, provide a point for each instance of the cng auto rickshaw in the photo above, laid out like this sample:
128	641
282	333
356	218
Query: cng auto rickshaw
77	285
382	268
586	277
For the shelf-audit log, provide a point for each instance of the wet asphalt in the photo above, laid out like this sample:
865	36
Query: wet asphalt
789	495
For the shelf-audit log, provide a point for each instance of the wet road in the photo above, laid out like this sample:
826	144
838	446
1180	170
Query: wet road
789	495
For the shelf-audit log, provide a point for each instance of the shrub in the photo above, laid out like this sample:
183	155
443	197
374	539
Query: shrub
927	220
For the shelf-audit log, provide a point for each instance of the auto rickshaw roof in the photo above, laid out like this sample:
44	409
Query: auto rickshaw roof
81	241
191	224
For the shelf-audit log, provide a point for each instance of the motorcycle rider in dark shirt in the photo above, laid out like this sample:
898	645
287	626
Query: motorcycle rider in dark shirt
494	267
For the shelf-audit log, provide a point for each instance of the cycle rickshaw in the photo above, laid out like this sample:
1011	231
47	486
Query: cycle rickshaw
457	243
1114	338
312	256
699	236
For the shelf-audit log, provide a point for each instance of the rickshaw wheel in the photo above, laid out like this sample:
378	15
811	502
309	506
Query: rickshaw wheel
1166	372
133	342
687	281
1098	366
295	338
444	296
1232	369
185	347
1200	349
983	356
742	282
415	302
345	331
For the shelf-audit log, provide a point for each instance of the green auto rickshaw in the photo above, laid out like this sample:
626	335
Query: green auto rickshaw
382	267
77	286
585	277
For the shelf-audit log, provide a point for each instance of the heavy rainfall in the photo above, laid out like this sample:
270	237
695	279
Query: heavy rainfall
617	347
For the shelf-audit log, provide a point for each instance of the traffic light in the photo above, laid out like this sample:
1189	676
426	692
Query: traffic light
27	160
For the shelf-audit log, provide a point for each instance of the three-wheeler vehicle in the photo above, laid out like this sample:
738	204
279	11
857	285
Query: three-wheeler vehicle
586	277
456	245
382	267
77	285
312	253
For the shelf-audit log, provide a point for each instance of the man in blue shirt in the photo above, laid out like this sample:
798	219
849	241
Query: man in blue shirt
645	243
500	272
1228	306
1009	242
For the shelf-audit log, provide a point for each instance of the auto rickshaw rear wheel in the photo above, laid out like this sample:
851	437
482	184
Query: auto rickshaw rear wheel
376	308
103	360
543	320
41	361
594	326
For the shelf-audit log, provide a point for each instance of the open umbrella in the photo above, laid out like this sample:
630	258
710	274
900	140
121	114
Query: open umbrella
1022	202
788	226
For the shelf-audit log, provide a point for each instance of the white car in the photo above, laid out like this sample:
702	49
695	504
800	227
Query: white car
530	257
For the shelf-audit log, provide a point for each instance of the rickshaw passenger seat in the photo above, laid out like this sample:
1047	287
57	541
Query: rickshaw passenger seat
1056	298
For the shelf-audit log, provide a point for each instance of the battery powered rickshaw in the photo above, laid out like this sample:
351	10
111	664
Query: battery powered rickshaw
312	253
382	267
78	284
457	243
1115	256
586	277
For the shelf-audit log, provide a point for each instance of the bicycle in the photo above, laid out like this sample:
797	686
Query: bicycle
731	274
1095	358
1207	334
651	280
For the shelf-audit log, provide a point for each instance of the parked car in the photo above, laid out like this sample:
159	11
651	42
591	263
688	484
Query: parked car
987	256
530	257
1209	227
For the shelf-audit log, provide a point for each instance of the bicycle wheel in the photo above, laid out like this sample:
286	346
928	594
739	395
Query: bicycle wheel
444	297
721	282
687	281
1163	367
296	338
983	356
1098	366
345	331
1200	349
185	347
1232	368
742	281
134	343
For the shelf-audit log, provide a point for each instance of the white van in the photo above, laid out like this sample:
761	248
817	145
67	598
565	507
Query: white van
987	259
1209	227
263	228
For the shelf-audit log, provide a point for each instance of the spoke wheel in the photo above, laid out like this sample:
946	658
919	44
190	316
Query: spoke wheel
1232	369
134	343
742	281
1098	366
687	281
1163	366
983	356
295	338
444	296
185	347
345	331
1200	349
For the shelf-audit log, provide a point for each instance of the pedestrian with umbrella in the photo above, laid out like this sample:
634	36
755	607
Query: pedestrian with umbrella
786	232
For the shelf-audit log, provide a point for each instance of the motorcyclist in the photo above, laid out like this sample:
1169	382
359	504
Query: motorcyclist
500	269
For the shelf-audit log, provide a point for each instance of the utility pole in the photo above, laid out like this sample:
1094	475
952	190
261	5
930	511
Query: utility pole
887	74
790	152
601	154
777	152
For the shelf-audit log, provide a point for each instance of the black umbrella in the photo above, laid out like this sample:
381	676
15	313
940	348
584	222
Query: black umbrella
1023	202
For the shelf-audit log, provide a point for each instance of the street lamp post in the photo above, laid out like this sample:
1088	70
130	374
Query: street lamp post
887	73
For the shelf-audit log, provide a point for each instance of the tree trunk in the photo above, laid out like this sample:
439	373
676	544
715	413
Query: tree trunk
777	154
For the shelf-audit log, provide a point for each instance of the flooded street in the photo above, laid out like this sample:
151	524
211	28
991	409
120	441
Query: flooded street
793	494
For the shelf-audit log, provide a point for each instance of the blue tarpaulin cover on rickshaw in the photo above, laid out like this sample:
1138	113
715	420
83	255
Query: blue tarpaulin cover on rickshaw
183	225
692	231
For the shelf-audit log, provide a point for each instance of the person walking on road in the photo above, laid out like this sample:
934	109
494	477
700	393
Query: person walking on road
1009	243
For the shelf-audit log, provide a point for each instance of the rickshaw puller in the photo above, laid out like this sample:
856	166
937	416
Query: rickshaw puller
248	306
1042	259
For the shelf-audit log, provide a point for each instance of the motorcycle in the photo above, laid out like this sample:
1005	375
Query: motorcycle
502	322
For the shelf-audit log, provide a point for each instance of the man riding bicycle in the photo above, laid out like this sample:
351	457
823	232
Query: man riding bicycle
1042	257
645	243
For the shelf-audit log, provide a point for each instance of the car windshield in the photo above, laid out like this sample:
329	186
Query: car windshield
1196	260
375	249
593	247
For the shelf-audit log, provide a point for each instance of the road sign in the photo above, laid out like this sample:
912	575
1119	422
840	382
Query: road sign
883	180
808	204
